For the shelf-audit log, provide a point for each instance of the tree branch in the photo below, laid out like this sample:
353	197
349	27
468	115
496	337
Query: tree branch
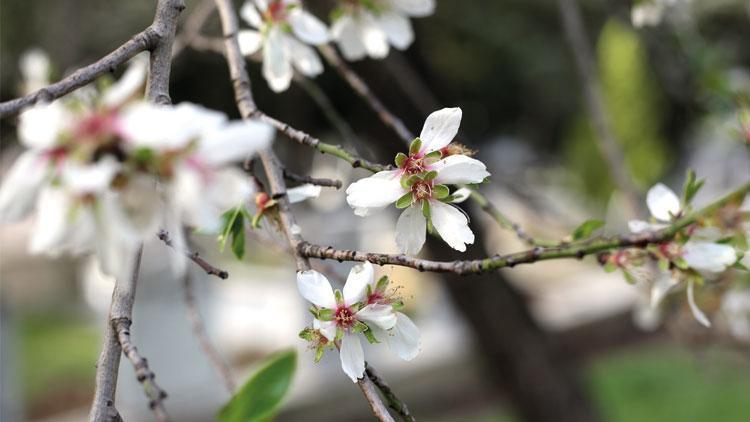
331	183
274	173
200	333
195	257
393	401
117	334
572	250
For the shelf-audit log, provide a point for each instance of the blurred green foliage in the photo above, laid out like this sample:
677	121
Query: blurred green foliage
635	108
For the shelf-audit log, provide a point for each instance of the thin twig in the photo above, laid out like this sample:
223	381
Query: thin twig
393	401
274	172
191	30
163	235
570	15
199	331
331	183
573	250
361	88
117	333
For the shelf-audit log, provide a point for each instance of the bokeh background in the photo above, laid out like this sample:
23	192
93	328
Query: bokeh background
553	341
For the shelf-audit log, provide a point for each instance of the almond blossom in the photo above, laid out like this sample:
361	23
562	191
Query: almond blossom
367	27
283	30
419	186
343	316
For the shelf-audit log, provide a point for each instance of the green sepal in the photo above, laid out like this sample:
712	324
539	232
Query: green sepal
359	327
339	334
397	305
739	266
434	155
400	159
356	307
691	187
426	209
370	337
255	222
314	311
404	201
629	277
430	175
368	291
663	264
681	263
408	181
319	351
326	314
339	297
307	334
610	267
415	146
441	191
382	283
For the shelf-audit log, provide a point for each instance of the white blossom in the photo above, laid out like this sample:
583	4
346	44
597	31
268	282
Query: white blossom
651	12
367	28
663	204
419	186
348	315
283	30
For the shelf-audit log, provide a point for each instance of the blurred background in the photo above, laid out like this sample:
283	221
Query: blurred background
558	340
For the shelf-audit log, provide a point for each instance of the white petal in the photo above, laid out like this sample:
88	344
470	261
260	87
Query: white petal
115	237
202	196
373	37
410	230
461	195
54	211
307	27
304	58
697	313
377	191
706	256
397	28
277	67
382	316
662	202
35	68
661	286
303	192
352	356
404	339
440	128
250	14
314	287
130	85
459	169
234	142
452	225
40	126
360	276
250	41
21	186
173	225
347	34
327	328
416	8
647	14
87	179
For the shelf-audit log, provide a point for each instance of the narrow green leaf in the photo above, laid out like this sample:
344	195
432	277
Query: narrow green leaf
238	237
262	394
587	228
691	187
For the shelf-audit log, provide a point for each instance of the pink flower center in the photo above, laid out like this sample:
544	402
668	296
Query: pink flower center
96	125
375	297
422	189
344	317
276	11
414	164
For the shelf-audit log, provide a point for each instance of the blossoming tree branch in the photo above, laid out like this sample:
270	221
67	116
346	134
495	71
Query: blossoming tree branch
108	166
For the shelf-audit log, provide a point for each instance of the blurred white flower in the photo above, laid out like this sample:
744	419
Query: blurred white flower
735	305
35	70
342	316
663	204
283	30
366	28
651	12
418	185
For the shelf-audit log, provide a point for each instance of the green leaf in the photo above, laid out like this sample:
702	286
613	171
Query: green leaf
233	231
400	159
415	146
587	228
238	238
262	394
404	201
691	187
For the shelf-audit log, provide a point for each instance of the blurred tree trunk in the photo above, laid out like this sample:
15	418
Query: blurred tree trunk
520	358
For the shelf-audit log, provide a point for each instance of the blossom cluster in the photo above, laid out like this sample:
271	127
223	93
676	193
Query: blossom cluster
697	255
105	170
365	308
420	186
283	32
